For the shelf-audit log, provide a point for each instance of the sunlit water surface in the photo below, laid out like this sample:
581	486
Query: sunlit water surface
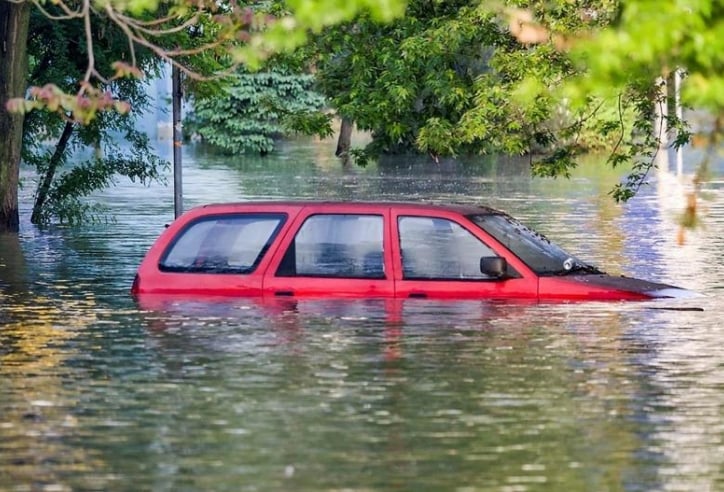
100	392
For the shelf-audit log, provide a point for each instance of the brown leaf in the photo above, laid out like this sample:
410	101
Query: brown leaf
525	29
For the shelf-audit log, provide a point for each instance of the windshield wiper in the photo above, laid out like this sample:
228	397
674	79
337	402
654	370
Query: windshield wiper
571	266
578	268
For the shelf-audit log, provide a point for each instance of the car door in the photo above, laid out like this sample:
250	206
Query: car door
339	251
438	255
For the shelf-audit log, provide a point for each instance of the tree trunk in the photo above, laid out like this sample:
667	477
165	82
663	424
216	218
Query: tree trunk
14	21
44	186
345	138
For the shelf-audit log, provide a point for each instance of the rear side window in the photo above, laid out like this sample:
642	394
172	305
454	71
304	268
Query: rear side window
222	244
336	245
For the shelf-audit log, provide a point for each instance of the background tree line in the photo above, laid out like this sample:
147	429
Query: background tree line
547	79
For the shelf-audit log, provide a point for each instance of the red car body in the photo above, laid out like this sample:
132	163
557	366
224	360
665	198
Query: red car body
370	249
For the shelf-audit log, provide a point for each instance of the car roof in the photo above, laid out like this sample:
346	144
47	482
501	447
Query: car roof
465	209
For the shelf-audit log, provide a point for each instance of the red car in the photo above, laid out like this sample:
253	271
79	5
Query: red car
371	249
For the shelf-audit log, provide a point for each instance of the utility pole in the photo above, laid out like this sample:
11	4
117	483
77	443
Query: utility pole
177	94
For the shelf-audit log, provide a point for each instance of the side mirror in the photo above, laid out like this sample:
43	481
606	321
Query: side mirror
493	266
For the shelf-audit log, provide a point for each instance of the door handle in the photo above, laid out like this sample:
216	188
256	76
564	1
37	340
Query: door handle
417	295
284	293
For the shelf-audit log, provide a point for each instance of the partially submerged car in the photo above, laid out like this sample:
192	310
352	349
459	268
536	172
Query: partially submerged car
371	249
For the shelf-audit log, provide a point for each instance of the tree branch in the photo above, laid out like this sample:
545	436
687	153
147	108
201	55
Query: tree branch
90	71
69	14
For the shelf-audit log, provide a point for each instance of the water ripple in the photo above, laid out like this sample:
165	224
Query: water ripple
102	393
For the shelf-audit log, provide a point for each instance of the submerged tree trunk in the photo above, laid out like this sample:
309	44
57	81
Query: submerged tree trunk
41	196
345	139
14	271
14	21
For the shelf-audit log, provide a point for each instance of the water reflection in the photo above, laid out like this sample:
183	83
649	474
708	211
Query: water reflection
103	392
402	388
12	264
38	422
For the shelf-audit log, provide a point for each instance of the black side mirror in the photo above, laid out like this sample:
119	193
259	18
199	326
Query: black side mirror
493	266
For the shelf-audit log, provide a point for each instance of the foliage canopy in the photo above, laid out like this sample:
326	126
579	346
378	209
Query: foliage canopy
257	108
547	78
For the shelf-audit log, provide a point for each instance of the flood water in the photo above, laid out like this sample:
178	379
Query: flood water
100	392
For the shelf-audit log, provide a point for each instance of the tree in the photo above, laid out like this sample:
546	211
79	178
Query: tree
14	21
439	80
389	79
638	50
549	79
255	109
52	140
232	31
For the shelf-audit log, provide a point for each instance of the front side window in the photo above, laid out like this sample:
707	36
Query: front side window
336	245
222	244
440	249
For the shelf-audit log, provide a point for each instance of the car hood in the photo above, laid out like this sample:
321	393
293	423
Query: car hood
653	290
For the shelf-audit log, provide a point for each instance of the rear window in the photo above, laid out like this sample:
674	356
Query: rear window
222	244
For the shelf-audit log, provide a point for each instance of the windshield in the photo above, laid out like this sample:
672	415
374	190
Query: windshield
541	255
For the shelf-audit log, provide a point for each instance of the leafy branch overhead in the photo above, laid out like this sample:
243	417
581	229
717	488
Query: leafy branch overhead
81	107
629	63
203	38
83	59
